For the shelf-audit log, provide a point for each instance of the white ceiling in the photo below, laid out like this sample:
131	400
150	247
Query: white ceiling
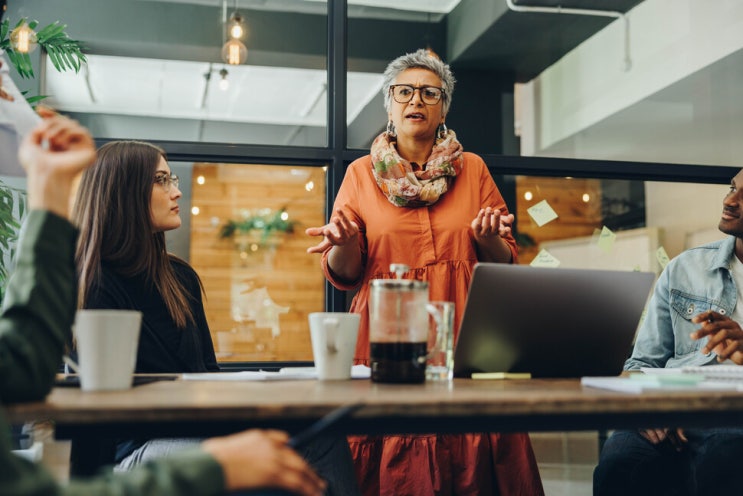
178	89
384	9
696	120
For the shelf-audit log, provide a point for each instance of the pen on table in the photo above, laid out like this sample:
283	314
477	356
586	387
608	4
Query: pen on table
501	375
321	426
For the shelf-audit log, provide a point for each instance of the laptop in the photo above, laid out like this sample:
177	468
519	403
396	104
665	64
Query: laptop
550	322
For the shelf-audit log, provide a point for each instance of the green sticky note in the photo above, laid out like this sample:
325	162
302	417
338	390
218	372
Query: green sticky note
662	257
545	259
606	239
542	213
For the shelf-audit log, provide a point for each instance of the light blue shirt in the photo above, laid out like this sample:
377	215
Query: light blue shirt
697	280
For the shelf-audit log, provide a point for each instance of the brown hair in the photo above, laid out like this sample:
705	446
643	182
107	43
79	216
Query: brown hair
113	212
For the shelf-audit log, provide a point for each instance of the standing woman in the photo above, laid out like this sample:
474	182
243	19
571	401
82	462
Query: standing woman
419	199
125	203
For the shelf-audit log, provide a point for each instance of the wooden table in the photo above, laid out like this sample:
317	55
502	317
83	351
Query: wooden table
198	408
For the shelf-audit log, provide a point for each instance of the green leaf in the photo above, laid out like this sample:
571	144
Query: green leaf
35	99
51	31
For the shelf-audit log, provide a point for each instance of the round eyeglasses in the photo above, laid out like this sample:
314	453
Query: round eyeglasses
403	93
165	181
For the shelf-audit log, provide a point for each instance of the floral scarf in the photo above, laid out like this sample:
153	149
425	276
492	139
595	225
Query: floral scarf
405	187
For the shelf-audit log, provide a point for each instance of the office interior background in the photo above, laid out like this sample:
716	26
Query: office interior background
627	122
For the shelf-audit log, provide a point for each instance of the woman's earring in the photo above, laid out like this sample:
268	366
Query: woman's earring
391	129
442	131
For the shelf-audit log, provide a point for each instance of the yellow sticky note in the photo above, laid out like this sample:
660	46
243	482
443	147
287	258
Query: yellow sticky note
542	213
501	375
606	239
662	257
545	259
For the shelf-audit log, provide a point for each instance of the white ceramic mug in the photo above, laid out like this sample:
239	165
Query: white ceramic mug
106	342
334	337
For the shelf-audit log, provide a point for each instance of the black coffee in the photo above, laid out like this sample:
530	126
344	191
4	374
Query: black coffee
398	362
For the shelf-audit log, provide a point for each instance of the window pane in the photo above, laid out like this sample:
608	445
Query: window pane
248	245
612	224
158	73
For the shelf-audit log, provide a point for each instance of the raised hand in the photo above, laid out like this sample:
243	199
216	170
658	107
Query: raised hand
489	222
4	95
53	154
338	232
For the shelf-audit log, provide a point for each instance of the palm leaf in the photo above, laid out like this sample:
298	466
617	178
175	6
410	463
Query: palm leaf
64	52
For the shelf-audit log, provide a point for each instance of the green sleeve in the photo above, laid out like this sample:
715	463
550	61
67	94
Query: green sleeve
187	473
37	315
38	308
191	472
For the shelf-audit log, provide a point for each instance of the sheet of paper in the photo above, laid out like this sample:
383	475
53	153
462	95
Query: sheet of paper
542	213
285	374
638	385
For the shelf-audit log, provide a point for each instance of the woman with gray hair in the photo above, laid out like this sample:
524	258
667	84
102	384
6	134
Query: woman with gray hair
418	199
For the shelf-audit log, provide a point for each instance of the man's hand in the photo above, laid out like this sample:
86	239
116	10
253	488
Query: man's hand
656	436
3	92
725	336
261	459
53	154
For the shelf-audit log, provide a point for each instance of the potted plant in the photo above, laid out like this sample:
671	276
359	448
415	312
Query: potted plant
263	227
11	200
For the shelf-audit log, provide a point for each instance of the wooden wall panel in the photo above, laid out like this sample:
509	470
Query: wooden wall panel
576	217
291	277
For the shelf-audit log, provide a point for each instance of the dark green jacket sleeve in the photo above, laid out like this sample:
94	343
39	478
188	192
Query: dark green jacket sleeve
37	316
38	308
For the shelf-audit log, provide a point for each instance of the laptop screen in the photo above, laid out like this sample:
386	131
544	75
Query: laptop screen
549	322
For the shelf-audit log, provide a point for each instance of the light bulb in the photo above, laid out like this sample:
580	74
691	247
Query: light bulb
234	52
23	39
236	26
236	31
224	83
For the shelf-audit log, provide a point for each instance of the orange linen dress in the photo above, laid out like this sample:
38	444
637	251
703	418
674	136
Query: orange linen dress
436	242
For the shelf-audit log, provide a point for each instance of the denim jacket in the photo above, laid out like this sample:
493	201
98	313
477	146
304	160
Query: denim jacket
697	280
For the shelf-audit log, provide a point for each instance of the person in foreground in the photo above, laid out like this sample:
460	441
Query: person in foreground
125	203
37	315
420	200
692	320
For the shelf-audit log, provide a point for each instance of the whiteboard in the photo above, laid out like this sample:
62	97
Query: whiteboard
634	249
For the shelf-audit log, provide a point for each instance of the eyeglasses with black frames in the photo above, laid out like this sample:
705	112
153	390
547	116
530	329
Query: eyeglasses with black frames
166	180
403	93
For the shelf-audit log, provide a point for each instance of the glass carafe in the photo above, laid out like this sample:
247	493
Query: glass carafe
398	328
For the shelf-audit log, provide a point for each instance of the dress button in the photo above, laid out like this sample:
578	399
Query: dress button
722	311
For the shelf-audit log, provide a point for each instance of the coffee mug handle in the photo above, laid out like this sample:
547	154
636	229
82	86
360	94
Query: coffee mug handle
331	332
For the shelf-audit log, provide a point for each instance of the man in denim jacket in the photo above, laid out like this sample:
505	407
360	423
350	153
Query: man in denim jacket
695	298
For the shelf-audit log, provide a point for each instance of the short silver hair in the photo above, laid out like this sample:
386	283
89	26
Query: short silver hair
420	59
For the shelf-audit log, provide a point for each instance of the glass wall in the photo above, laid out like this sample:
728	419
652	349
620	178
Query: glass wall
308	102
